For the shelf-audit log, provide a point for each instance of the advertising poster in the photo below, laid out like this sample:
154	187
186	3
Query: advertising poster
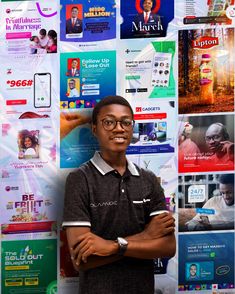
28	206
86	77
165	168
206	143
206	202
29	89
154	130
206	70
29	29
208	11
206	262
29	266
147	69
77	143
145	18
27	145
87	21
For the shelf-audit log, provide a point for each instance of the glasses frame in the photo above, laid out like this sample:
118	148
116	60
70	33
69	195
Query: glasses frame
120	121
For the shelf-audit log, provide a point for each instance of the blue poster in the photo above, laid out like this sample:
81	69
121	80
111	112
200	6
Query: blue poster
86	21
206	261
84	78
146	18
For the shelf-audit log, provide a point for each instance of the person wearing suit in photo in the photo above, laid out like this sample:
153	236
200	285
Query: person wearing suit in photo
74	24
147	22
74	71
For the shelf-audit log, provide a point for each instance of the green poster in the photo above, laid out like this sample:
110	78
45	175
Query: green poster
29	266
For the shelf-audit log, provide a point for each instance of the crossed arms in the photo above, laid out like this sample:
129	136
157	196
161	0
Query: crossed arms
89	250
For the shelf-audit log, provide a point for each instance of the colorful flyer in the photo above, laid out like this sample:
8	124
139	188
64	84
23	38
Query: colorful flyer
206	143
206	70
147	69
86	21
29	266
28	206
154	130
27	145
29	29
29	89
145	19
77	143
208	12
84	78
206	202
206	262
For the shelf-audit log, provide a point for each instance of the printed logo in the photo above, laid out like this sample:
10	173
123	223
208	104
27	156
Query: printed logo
109	203
205	42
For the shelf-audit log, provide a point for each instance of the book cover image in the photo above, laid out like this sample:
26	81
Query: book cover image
206	70
145	18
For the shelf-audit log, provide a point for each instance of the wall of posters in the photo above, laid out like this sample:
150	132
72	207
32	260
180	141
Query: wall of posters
174	62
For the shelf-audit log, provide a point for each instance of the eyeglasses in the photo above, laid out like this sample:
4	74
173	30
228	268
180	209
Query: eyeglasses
110	124
214	138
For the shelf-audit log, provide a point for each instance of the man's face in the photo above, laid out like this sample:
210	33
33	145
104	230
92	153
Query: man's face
74	64
227	191
147	5
71	85
74	13
118	139
214	135
193	270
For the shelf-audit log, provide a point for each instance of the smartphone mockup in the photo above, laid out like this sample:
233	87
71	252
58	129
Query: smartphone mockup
42	90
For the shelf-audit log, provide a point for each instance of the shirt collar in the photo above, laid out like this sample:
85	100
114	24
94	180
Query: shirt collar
104	168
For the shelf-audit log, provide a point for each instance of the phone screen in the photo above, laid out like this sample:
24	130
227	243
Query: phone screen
42	90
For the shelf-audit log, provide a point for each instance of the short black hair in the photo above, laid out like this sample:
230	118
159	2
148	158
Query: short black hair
74	7
226	179
43	32
108	100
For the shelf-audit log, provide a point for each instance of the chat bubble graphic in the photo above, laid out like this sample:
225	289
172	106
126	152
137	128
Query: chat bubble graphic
196	193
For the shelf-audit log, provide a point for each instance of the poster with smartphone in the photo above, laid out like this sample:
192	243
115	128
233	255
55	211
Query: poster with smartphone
206	202
29	89
147	69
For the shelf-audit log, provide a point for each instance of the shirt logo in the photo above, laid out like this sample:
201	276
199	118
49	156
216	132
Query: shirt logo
108	203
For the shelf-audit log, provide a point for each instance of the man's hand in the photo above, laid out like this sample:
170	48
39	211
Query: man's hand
69	121
90	244
228	148
159	226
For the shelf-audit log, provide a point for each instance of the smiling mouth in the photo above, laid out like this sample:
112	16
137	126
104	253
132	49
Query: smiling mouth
119	139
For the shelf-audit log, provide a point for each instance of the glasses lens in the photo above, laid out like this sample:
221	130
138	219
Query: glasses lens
127	124
109	124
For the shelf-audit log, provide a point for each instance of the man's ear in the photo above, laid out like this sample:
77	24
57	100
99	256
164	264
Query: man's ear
93	129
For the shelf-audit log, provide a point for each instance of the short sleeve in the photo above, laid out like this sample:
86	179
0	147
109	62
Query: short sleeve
76	202
158	201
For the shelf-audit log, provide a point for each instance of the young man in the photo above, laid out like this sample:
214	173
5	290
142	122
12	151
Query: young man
115	216
74	24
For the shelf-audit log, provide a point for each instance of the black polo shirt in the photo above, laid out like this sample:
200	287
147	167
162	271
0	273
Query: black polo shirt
113	206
